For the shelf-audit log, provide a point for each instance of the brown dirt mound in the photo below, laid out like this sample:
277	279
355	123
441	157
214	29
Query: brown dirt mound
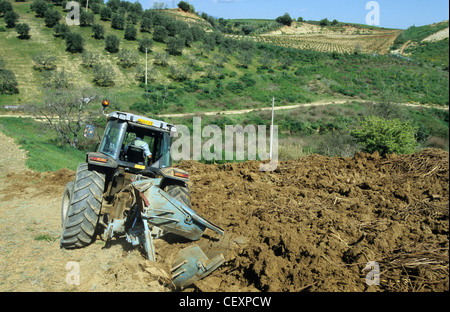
311	225
314	223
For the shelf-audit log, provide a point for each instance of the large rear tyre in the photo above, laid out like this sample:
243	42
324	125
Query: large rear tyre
83	209
65	203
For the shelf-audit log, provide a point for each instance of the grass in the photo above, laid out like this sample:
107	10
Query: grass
44	154
310	76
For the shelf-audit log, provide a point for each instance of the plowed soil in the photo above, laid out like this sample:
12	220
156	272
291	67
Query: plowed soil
311	225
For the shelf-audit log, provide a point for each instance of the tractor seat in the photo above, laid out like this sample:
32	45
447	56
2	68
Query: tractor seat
135	155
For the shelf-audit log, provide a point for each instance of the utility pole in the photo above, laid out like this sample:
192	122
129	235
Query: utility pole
87	5
271	129
146	88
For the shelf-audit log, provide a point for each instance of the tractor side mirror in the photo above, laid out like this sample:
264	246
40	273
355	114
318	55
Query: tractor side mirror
89	131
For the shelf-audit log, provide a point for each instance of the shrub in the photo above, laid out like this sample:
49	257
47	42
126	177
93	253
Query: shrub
61	30
8	82
175	46
160	34
103	75
105	13
128	58
11	18
112	44
43	61
183	5
39	7
130	32
161	59
145	43
89	58
86	18
51	18
5	6
118	21
74	43
285	19
386	136
23	30
98	31
146	24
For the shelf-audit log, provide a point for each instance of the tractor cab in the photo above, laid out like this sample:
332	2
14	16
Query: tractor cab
118	148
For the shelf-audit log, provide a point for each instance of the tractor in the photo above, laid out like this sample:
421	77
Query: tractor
129	188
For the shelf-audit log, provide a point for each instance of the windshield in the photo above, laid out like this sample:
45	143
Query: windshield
112	139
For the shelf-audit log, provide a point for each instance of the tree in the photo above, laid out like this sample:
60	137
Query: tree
118	21
61	30
23	31
175	46
43	61
386	135
51	18
183	5
130	32
128	58
145	43
11	18
67	111
5	6
146	24
103	75
74	43
98	31
89	58
324	22
284	19
8	82
105	13
39	7
160	34
112	43
86	18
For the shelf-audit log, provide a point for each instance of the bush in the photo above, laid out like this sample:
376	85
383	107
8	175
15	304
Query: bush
183	5
145	43
105	13
285	19
98	31
386	136
118	21
112	44
128	58
61	30
8	82
89	59
146	24
160	34
51	18
23	30
74	43
86	18
39	7
130	32
11	18
103	75
175	46
43	61
5	6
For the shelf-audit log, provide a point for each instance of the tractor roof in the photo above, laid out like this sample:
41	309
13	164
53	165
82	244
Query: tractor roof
141	120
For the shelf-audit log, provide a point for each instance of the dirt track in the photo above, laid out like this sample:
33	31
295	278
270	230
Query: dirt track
311	225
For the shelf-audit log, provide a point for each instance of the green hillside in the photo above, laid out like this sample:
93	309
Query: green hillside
210	71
